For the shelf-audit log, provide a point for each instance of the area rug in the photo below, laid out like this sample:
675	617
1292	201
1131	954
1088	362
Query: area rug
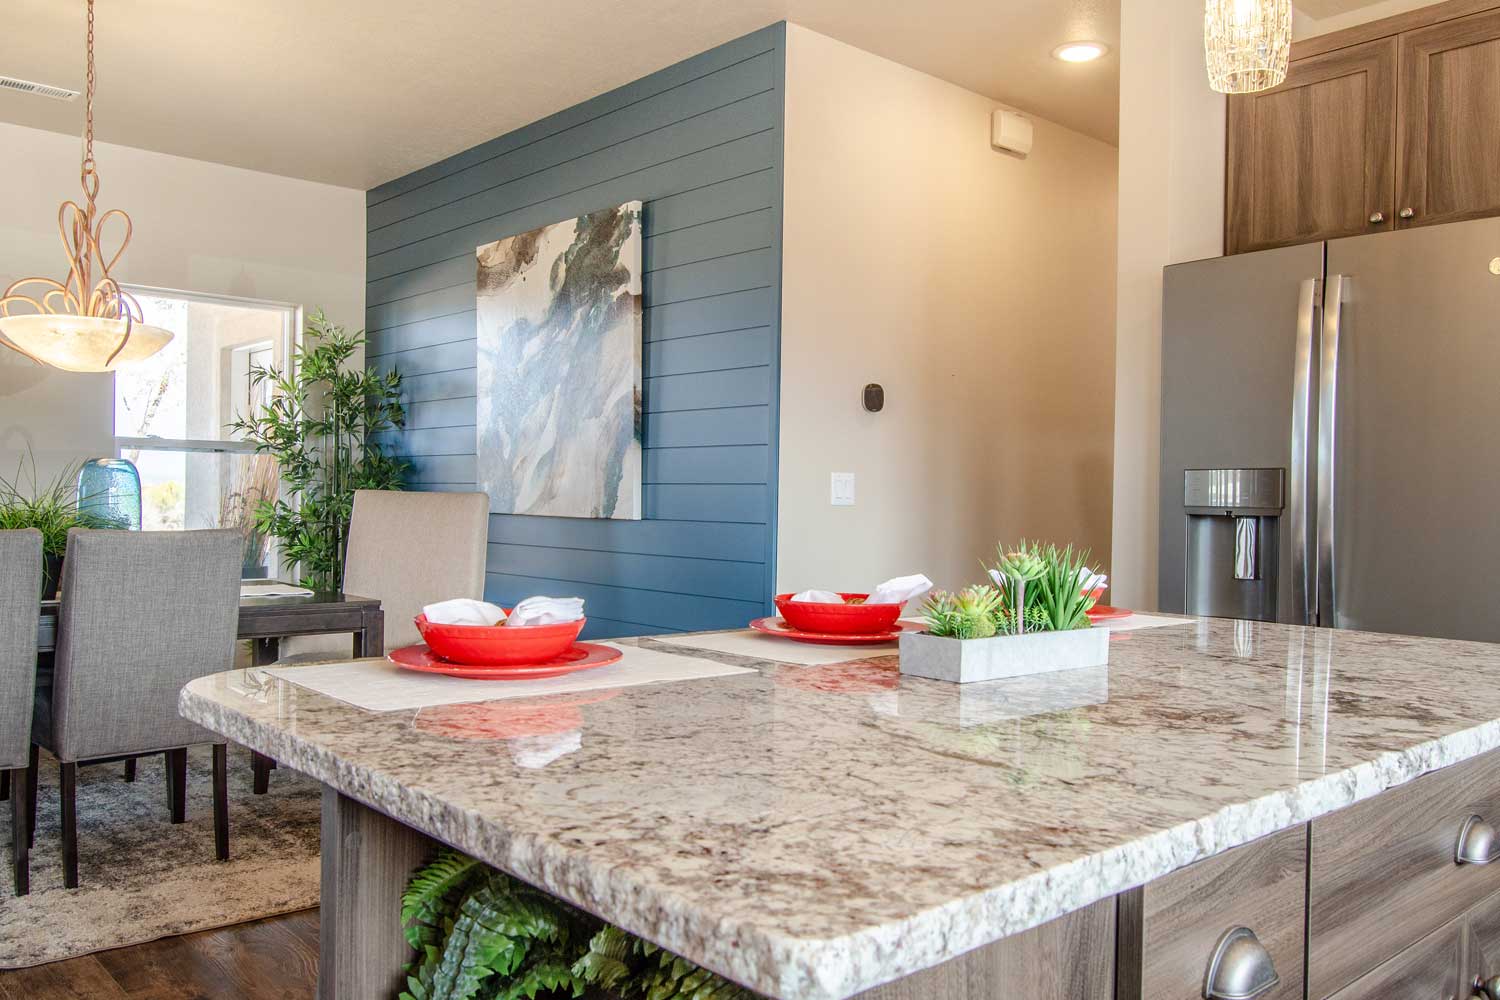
140	877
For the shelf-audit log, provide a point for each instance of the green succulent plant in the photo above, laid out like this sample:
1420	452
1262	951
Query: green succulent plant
972	613
481	935
1048	582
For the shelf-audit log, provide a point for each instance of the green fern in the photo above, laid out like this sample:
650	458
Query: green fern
423	902
606	963
479	934
479	946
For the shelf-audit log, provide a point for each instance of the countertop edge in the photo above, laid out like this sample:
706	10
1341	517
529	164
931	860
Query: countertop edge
838	968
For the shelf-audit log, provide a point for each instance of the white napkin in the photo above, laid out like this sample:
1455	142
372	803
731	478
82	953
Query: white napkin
817	597
895	591
546	611
900	590
464	611
1089	581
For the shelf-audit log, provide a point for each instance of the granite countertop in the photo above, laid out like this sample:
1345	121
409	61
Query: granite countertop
815	831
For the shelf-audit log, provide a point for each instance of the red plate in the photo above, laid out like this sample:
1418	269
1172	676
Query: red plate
582	656
1105	613
779	627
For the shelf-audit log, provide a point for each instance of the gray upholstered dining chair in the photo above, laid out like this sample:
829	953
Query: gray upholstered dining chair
413	549
143	613
407	550
20	590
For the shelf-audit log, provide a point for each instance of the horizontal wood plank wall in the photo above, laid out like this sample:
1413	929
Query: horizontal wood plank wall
700	143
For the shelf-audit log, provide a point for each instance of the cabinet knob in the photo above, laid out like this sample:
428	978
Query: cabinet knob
1407	213
1241	968
1376	218
1476	843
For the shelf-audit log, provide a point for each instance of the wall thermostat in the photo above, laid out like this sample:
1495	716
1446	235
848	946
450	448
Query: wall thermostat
874	397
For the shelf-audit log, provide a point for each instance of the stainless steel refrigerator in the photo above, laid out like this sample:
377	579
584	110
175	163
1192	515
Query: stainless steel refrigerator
1331	434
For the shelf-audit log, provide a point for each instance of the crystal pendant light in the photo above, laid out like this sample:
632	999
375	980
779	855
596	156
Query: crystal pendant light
87	322
1248	44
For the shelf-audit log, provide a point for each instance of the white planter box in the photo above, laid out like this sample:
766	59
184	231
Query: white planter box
963	661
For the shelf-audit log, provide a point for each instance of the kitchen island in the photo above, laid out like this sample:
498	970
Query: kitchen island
822	832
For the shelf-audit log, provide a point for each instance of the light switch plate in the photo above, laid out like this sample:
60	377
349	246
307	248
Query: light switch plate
842	489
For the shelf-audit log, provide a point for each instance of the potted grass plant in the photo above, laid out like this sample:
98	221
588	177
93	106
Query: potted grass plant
1032	617
52	508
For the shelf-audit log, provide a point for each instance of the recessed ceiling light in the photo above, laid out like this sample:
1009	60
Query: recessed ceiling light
1077	52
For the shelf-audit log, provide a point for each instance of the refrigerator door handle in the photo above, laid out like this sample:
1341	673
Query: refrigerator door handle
1334	295
1303	591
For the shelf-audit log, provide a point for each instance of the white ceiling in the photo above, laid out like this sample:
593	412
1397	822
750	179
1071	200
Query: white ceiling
356	92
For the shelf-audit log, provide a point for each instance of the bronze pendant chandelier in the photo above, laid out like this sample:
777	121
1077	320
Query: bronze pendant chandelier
87	322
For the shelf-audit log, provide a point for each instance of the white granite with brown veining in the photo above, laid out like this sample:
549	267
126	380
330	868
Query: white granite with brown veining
814	831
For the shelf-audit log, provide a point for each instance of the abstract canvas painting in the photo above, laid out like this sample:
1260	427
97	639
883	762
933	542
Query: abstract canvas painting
559	379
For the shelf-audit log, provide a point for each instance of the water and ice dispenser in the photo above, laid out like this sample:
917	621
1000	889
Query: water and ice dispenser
1233	541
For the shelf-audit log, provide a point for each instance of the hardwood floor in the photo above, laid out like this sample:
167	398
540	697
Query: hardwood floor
273	959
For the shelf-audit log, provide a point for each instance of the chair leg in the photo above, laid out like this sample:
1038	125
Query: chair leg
68	780
177	784
260	766
221	801
130	770
19	833
32	768
4	786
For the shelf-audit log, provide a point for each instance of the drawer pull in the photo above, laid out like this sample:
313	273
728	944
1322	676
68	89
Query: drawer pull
1476	843
1241	968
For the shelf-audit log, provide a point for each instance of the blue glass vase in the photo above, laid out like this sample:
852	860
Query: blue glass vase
109	489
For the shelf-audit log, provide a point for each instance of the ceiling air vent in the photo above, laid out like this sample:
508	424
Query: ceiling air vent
40	89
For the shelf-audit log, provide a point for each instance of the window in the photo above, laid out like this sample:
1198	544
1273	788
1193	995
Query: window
173	414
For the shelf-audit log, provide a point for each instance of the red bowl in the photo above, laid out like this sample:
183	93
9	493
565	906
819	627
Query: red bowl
498	645
838	619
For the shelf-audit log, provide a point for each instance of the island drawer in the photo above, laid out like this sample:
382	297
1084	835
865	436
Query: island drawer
1171	928
1384	873
1428	970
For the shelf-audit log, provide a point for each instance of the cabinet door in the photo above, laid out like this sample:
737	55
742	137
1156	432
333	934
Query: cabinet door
1448	125
1314	159
1428	970
1171	927
1482	941
1384	872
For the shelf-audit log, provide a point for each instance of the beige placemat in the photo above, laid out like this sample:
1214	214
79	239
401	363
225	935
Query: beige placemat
381	686
769	647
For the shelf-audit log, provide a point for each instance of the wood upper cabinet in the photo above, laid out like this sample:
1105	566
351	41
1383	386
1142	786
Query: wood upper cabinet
1449	121
1387	125
1314	159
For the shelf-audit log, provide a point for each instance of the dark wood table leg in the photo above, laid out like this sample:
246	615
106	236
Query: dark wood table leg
221	801
263	652
367	860
370	641
130	769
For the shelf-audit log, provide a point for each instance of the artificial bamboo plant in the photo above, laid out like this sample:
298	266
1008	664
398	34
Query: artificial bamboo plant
321	423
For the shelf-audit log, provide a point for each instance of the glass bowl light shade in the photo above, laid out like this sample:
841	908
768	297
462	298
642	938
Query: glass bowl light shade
1248	44
81	343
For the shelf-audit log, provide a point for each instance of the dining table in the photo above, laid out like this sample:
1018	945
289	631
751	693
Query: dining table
264	621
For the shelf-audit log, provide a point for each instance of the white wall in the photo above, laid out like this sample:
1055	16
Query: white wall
976	286
1171	210
199	227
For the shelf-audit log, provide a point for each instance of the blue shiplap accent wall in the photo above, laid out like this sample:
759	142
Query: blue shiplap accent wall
701	144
